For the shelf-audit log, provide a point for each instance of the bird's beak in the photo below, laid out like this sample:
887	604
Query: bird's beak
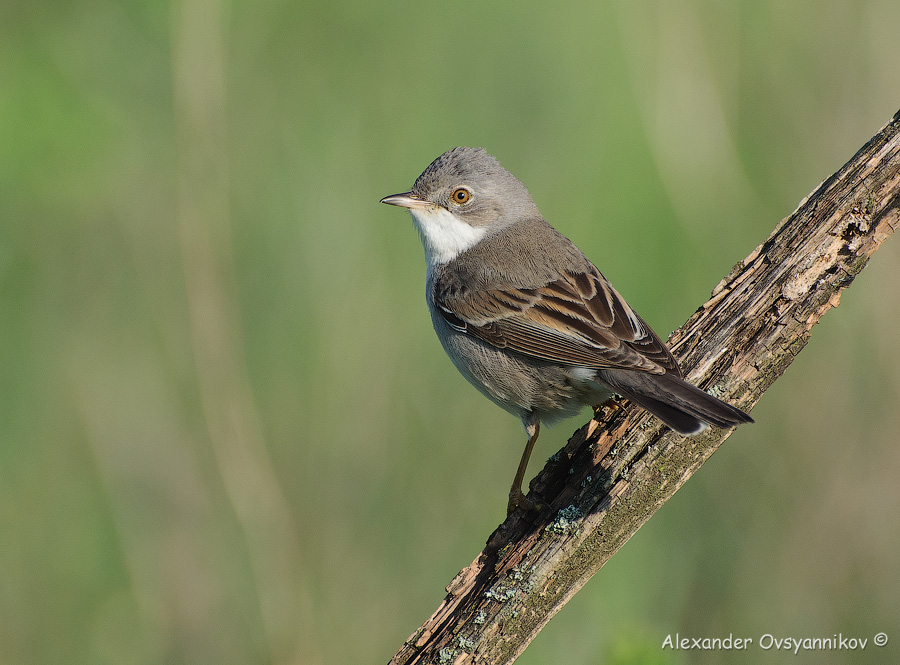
406	200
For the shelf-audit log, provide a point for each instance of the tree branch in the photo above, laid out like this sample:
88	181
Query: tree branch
621	467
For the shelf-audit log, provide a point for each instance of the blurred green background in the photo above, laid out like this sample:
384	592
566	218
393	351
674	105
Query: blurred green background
228	433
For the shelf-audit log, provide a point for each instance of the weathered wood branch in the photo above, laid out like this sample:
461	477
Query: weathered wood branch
621	467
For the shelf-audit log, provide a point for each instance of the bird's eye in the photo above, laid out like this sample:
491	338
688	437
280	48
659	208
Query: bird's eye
460	195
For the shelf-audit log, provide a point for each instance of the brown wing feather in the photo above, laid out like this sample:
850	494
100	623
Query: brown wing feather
578	319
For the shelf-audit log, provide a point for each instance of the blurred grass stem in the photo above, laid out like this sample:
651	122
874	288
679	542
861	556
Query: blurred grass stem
232	420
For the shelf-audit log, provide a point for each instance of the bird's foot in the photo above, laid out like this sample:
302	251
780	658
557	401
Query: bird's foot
518	500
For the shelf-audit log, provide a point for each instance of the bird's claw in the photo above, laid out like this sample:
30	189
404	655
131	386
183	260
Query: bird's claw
518	500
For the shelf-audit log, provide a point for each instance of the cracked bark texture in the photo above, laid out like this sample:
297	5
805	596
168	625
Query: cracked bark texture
621	467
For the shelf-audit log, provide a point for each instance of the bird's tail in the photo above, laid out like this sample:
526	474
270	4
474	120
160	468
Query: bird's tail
681	406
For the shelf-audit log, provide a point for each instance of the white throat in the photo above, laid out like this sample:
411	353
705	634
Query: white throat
444	237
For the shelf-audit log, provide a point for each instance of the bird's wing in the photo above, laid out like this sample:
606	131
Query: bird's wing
578	319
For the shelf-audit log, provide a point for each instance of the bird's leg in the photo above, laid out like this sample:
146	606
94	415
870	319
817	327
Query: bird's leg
516	497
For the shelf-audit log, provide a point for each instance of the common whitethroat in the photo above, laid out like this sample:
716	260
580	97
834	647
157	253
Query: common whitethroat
527	318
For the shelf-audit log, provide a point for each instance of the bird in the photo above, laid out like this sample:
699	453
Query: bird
527	318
